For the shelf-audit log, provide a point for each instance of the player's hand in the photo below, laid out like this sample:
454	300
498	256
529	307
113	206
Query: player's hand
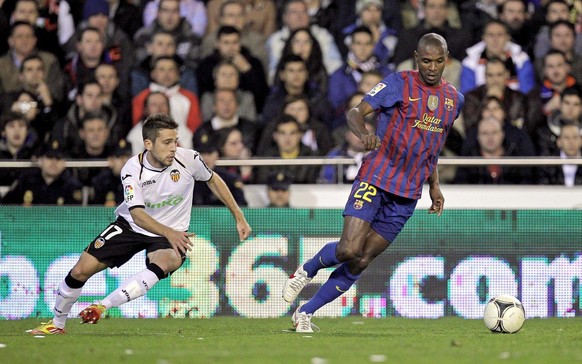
370	142
438	201
180	241
244	229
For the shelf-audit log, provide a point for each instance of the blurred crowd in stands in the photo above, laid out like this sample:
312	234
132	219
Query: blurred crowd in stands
274	78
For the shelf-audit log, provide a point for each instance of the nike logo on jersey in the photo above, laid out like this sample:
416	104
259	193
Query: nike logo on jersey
413	100
340	290
124	177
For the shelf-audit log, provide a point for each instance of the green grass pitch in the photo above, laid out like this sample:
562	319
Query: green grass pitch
240	340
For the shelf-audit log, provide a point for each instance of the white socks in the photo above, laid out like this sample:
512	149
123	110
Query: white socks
66	298
134	287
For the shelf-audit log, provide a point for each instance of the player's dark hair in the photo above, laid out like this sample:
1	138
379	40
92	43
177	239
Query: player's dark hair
30	58
156	122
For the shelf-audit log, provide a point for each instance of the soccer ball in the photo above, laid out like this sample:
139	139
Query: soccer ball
504	314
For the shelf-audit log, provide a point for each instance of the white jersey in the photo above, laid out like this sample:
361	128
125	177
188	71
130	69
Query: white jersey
166	194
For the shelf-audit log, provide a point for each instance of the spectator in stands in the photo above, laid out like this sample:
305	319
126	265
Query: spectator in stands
226	115
352	147
316	135
49	184
90	46
56	17
107	189
278	193
231	146
324	13
118	47
106	76
518	139
168	19
544	99
496	43
94	134
475	15
66	130
569	112
369	80
228	48
295	16
22	42
162	45
293	80
184	106
555	10
435	21
125	15
303	44
563	38
383	38
569	145
344	82
514	14
193	11
156	102
496	80
226	76
203	196
39	118
47	39
260	16
492	144
17	141
287	136
232	13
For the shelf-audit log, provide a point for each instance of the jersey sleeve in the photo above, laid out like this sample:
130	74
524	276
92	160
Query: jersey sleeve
132	192
387	92
196	166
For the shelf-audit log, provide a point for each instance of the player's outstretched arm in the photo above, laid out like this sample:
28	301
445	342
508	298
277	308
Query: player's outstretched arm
178	239
438	200
220	190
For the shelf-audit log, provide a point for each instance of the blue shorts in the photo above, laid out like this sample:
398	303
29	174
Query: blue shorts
386	212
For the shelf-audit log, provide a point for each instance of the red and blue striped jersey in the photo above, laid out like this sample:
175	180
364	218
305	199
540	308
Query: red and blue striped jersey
413	123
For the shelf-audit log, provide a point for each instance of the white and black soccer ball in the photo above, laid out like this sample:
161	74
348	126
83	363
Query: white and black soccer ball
504	314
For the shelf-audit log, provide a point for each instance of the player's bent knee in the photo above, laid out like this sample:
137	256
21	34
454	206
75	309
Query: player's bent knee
347	253
168	261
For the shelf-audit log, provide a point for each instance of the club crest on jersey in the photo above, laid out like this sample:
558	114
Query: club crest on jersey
376	89
99	242
175	175
358	204
433	102
449	104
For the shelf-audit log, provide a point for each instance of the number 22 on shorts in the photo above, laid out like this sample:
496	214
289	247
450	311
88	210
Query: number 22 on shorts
364	191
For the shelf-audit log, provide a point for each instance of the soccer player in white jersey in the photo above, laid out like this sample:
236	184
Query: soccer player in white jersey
155	216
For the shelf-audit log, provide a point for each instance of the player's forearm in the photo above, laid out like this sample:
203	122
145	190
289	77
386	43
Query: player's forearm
220	190
433	179
356	123
146	222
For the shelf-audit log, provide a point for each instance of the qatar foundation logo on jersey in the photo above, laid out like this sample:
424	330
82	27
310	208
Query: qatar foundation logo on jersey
175	175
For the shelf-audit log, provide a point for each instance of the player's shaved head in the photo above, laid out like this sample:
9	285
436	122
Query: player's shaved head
431	40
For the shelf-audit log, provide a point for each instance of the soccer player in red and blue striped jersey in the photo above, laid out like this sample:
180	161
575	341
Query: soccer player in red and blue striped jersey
416	111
